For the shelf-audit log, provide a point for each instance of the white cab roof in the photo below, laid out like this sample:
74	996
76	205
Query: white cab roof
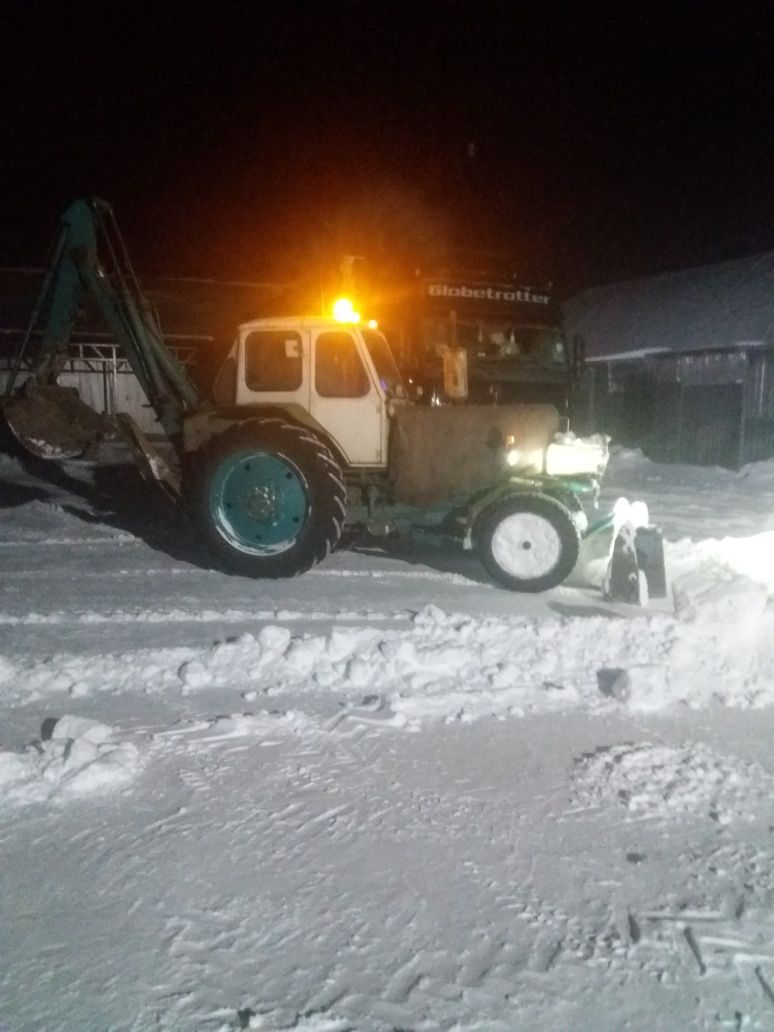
294	322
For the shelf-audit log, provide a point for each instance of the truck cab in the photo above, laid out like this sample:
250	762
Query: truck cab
511	335
338	377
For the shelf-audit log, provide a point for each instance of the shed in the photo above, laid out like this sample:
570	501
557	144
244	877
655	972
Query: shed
682	364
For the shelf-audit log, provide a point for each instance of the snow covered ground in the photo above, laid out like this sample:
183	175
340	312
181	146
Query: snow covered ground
386	795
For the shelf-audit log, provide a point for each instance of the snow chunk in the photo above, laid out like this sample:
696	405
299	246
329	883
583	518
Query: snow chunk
273	640
663	781
81	728
75	756
194	674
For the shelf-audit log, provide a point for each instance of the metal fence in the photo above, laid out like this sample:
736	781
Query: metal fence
101	374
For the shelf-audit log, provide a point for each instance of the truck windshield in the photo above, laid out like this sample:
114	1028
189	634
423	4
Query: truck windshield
381	356
534	345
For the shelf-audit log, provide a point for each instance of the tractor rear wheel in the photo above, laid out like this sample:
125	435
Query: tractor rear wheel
527	542
268	498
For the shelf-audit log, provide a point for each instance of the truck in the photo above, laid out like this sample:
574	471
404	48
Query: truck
504	336
308	430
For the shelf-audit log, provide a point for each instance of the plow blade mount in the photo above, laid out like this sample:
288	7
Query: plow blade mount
52	422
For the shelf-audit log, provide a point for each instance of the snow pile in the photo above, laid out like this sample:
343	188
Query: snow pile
751	557
631	466
269	647
445	666
75	756
718	646
36	521
48	523
661	781
454	667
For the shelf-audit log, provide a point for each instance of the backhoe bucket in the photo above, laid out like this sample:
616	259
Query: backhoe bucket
52	422
150	460
623	554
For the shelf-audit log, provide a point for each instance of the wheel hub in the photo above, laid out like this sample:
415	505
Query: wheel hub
526	545
258	500
262	504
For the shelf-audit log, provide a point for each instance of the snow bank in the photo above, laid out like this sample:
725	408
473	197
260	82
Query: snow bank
751	557
453	667
661	781
691	503
75	756
631	465
49	523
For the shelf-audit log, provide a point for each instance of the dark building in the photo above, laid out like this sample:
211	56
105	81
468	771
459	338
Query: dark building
682	364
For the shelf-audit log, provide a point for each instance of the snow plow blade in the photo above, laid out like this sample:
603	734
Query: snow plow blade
636	572
623	554
52	422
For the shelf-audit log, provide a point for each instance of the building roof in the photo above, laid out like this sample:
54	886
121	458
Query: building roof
712	306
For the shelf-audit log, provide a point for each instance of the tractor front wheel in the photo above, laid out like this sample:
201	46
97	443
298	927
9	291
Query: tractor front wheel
527	542
268	499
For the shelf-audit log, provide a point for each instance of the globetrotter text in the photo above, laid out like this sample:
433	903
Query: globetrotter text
523	294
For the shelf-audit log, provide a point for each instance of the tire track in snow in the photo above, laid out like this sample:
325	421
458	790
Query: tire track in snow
541	938
422	973
145	616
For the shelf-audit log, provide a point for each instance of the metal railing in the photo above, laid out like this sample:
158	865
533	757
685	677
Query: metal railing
100	373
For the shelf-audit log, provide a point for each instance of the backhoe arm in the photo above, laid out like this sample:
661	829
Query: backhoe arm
78	271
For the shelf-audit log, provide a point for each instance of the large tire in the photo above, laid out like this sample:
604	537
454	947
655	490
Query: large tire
527	542
268	498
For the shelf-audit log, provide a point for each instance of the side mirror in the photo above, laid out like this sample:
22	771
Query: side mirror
578	355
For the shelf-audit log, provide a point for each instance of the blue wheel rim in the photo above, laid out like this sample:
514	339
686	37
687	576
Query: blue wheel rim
258	502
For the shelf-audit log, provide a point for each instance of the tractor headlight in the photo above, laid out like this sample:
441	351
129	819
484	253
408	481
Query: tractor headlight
569	455
531	461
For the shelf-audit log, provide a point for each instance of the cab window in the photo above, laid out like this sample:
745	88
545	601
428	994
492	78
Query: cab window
273	360
338	368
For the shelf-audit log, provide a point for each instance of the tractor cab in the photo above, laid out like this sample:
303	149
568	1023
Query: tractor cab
339	377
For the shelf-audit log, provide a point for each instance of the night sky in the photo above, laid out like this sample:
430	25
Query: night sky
578	142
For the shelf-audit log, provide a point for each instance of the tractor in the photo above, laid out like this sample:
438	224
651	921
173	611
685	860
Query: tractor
307	431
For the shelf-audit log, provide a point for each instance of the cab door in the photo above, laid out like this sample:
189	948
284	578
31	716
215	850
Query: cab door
345	398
